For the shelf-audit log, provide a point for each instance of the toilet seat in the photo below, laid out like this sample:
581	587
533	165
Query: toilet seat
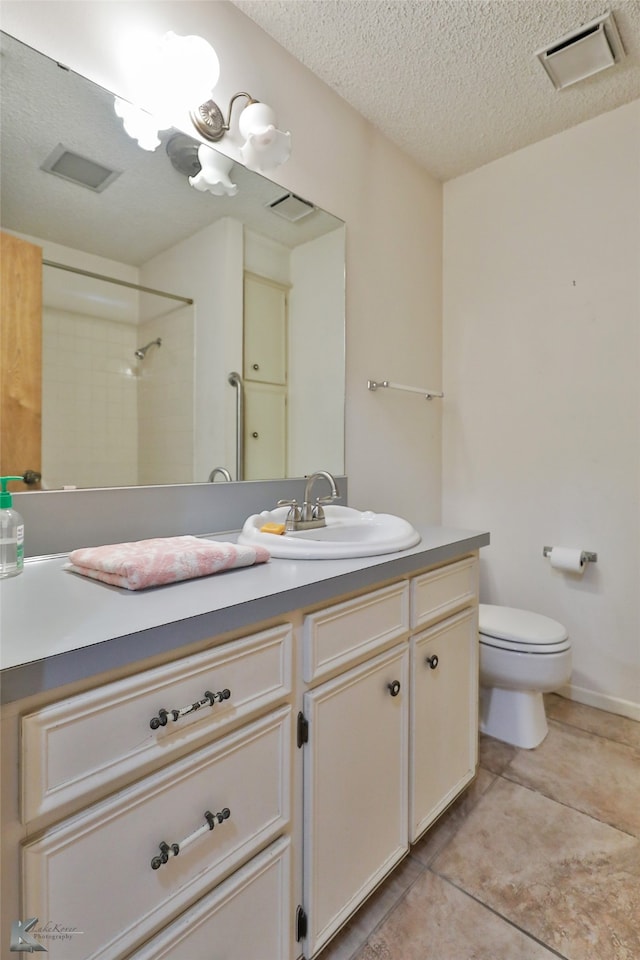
521	631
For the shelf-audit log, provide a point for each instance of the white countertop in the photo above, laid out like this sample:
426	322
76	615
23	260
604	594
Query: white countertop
57	626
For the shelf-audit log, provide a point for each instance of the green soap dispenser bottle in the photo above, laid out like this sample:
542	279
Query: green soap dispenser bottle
11	534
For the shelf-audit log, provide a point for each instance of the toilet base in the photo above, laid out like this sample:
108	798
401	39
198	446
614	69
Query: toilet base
513	716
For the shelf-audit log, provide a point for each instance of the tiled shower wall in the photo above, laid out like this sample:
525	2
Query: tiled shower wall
89	401
165	400
107	418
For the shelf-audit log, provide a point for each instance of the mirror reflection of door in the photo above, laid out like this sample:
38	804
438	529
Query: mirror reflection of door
265	377
20	358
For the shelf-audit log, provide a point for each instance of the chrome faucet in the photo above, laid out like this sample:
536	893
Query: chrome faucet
219	470
310	515
314	511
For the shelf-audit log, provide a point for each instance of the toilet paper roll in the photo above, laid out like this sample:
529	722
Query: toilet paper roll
569	559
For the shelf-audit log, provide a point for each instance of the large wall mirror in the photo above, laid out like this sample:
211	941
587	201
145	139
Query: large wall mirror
180	331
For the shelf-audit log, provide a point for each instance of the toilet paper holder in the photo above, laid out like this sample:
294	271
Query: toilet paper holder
587	555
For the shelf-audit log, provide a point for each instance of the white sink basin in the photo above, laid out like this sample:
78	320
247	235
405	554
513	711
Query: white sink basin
348	533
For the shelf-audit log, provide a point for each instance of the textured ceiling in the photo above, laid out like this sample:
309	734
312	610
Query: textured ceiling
455	83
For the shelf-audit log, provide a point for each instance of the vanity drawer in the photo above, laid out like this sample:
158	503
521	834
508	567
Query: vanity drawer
77	750
338	636
441	592
95	872
247	916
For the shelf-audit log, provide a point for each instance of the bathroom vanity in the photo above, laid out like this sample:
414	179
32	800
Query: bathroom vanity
235	762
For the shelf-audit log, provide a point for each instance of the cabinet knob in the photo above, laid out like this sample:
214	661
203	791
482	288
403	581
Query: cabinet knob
255	434
255	366
432	661
394	688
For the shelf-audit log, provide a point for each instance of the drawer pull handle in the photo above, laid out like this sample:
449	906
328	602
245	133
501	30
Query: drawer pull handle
432	661
173	849
394	688
209	698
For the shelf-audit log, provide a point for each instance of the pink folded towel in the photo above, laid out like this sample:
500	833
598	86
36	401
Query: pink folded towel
150	563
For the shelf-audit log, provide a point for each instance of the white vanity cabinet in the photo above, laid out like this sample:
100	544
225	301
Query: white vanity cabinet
242	800
247	917
354	735
444	689
355	794
390	739
118	869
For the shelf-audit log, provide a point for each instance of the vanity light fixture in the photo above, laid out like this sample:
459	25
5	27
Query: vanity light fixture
265	146
213	176
166	78
173	75
205	168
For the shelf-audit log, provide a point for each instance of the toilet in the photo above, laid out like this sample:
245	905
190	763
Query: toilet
522	656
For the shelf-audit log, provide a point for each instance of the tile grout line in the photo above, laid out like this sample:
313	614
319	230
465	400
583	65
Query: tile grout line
592	733
425	868
567	806
497	914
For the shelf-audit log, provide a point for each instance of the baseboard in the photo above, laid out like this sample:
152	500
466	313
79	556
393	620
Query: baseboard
592	698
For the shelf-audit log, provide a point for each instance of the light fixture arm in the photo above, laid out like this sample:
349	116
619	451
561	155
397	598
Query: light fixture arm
209	121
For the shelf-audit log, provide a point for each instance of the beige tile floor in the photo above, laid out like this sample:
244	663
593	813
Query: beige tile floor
538	859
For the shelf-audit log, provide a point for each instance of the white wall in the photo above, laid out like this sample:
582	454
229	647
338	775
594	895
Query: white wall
208	265
392	209
316	351
542	376
165	394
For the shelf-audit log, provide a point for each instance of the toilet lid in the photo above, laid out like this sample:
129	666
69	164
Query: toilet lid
522	630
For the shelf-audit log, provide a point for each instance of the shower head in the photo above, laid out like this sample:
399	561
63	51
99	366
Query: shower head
140	353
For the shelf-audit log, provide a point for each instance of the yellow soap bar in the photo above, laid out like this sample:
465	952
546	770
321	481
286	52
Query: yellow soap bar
271	527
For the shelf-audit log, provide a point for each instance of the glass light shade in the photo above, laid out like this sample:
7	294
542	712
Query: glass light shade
187	71
213	176
266	146
172	76
140	126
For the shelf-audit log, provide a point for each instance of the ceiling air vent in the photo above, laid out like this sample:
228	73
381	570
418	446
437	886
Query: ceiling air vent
292	208
588	50
78	169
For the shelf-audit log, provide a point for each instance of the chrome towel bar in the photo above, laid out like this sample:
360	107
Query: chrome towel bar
427	394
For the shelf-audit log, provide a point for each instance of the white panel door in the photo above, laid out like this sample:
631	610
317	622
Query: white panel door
265	439
265	330
355	788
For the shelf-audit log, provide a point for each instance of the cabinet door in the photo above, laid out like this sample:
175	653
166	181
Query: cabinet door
355	794
444	716
265	330
265	439
247	917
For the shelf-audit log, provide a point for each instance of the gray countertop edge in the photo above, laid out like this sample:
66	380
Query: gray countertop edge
60	669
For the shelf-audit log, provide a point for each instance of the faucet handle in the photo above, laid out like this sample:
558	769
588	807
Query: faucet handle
295	514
